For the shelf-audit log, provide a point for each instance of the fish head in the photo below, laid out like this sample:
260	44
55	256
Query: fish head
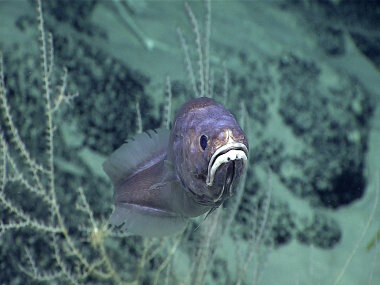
209	151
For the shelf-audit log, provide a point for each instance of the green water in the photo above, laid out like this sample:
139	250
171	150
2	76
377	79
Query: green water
303	81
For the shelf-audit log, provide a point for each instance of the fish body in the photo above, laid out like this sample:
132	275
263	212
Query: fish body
162	178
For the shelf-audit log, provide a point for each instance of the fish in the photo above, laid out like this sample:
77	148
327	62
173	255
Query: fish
162	178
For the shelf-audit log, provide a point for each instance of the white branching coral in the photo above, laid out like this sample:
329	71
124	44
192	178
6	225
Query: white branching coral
74	256
82	255
37	178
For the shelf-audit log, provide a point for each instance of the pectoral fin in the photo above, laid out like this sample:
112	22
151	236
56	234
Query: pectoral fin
145	221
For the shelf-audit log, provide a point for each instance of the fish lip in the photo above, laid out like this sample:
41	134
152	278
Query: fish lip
224	154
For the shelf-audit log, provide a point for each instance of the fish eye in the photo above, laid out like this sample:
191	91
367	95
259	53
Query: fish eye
203	142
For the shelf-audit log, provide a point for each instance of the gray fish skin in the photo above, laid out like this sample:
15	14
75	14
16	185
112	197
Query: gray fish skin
161	179
204	116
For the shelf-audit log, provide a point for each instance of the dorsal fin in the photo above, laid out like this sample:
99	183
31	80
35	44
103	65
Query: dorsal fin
141	152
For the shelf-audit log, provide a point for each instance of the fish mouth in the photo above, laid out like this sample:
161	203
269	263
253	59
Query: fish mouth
226	154
226	189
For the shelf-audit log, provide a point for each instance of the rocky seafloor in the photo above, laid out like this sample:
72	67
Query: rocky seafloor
309	116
